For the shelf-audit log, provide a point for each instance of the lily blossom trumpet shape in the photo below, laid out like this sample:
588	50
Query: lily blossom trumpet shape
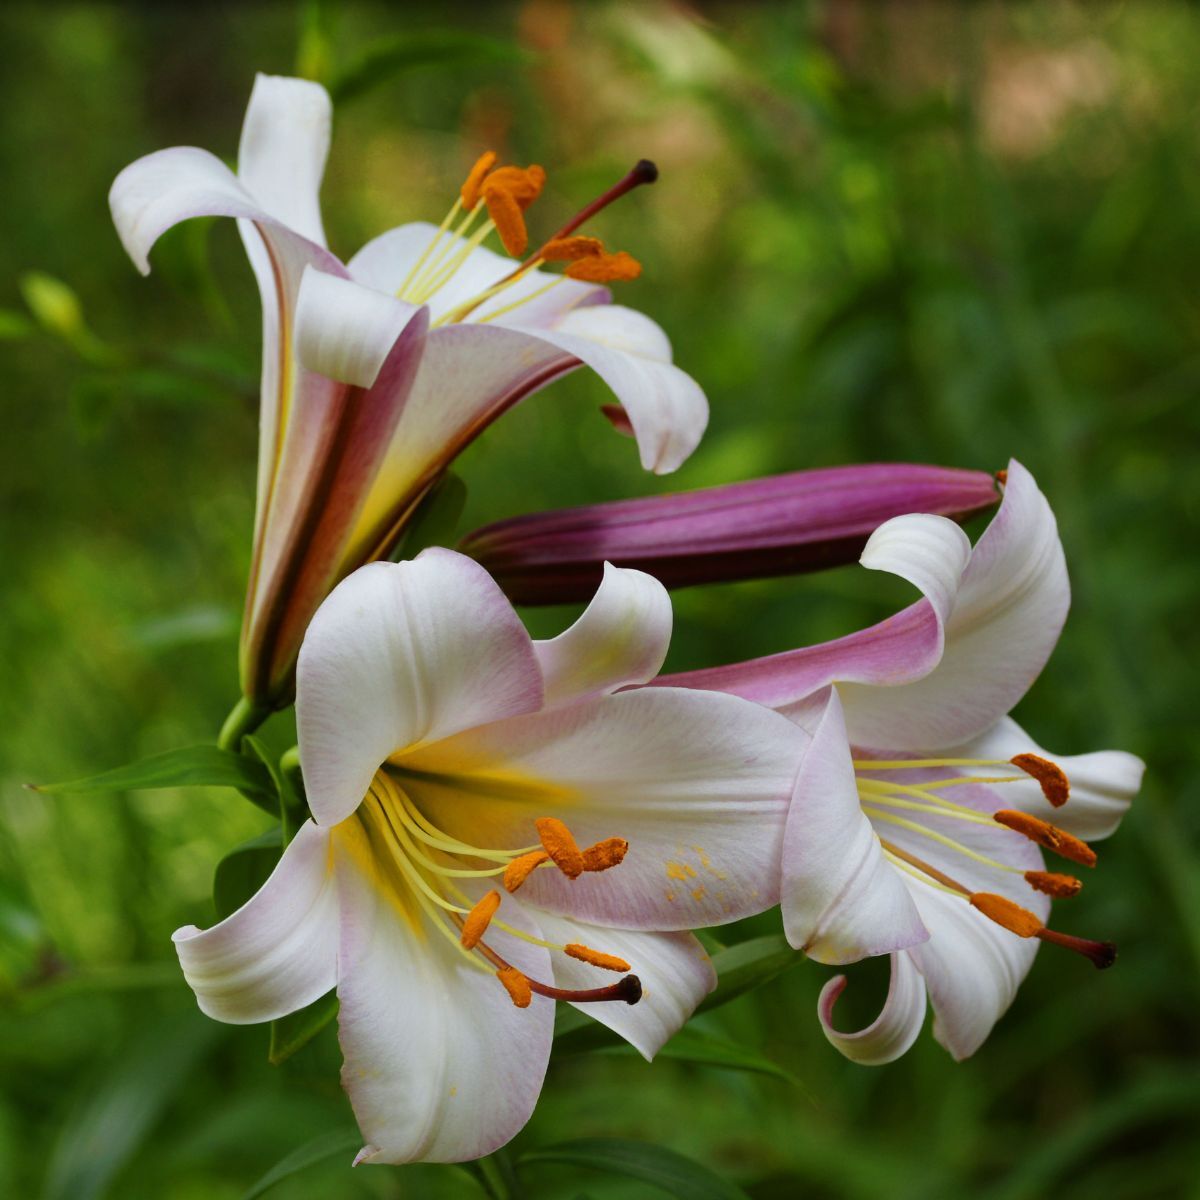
495	827
778	525
379	371
921	808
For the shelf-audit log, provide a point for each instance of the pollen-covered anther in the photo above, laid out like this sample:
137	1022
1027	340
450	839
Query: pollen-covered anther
609	962
605	854
1056	787
1061	887
570	249
471	189
478	919
524	184
1006	913
516	985
560	846
1047	835
506	215
521	868
605	268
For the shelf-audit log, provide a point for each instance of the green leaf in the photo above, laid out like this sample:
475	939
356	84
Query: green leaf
328	1145
296	1030
15	325
292	807
191	766
244	869
748	965
703	1049
436	520
429	48
655	1165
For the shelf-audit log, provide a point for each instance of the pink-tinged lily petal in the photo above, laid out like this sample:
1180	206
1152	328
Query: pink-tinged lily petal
278	952
345	332
400	654
620	640
891	1034
282	153
783	524
1103	783
842	900
972	969
674	970
322	514
1005	620
665	406
643	765
439	1064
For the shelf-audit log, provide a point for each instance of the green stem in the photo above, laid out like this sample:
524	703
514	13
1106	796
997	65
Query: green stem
245	717
497	1176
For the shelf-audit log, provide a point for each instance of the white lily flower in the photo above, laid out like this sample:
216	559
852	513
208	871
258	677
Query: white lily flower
376	373
496	826
920	805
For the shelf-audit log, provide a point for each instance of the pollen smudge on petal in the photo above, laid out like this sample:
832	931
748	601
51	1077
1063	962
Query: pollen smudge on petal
605	854
516	985
1004	912
1061	887
609	962
605	268
1045	834
478	919
472	185
506	216
521	868
1053	779
569	249
560	845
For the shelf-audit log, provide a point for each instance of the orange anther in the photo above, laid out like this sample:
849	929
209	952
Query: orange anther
605	268
478	919
610	962
1052	884
569	249
516	985
1050	836
1055	785
560	845
521	868
506	216
1002	477
524	185
1004	912
470	190
605	854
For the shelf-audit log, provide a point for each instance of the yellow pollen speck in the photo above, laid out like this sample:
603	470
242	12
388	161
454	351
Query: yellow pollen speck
680	871
454	1090
706	863
698	892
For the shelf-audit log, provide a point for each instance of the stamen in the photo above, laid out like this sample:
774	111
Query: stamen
521	868
506	216
478	919
609	962
628	989
471	188
524	185
925	869
1004	912
516	985
569	249
605	854
1050	836
1053	779
1002	477
1061	887
1101	954
560	845
605	268
920	830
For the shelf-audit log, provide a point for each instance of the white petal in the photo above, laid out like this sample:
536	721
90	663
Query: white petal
284	144
278	952
892	1032
345	331
1005	620
399	654
697	782
972	969
674	969
842	900
1103	783
439	1064
931	552
621	639
620	328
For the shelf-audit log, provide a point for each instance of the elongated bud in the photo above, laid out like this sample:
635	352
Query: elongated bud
779	525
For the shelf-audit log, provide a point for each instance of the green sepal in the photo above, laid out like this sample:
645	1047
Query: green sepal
244	870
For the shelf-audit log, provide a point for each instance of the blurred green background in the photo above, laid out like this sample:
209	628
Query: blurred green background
909	231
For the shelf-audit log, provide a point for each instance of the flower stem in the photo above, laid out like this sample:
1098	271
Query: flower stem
245	717
497	1176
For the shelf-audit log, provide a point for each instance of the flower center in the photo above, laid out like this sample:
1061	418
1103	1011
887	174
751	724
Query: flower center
494	200
908	803
425	868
